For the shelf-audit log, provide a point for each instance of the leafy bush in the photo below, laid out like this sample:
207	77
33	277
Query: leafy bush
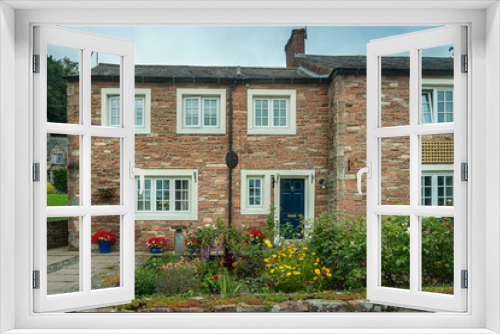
179	278
61	180
340	242
145	282
50	189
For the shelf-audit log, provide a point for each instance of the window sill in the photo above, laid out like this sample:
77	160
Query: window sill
170	216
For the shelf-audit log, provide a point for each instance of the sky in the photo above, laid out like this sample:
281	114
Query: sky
232	46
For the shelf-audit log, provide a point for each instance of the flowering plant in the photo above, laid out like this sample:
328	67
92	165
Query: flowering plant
155	242
103	236
190	242
254	236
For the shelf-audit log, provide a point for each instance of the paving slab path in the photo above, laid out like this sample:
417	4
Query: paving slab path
63	268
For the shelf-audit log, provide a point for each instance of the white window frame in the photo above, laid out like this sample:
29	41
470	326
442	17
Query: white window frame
201	94
484	210
434	171
432	86
290	95
172	175
108	93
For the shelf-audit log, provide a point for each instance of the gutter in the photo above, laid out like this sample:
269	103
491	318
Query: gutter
230	156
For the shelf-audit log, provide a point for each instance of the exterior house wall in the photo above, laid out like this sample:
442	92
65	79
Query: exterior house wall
163	148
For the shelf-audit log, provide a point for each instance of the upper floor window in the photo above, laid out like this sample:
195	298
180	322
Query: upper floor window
201	111
110	113
437	189
437	102
271	111
57	158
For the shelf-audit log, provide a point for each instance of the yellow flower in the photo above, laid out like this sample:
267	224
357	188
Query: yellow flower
272	271
317	271
313	254
315	278
296	272
316	264
266	260
305	248
274	255
328	274
288	274
317	260
280	267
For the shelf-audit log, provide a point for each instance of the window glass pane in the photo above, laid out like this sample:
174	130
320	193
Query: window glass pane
279	113
261	113
191	110
144	200
395	171
209	112
63	85
395	251
139	111
63	170
181	195
437	168
105	178
63	255
254	192
162	195
395	93
105	258
437	254
106	106
426	107
436	63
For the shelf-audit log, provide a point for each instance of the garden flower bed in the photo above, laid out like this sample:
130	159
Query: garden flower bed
231	269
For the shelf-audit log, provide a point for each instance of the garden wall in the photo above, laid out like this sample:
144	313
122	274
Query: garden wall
57	233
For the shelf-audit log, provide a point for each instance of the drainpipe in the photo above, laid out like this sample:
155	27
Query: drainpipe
230	165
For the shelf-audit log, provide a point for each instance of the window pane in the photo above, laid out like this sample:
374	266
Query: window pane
63	170
144	200
261	112
191	110
395	171
437	154
395	251
395	93
106	106
63	85
181	195
254	192
139	111
426	107
105	258
279	112
210	112
105	178
162	195
437	254
63	255
437	62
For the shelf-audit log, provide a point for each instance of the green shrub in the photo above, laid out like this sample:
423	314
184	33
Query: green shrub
179	278
50	189
145	282
61	180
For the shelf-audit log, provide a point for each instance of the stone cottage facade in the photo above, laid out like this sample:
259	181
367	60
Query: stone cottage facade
298	133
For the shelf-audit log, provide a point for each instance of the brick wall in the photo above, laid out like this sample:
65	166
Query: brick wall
163	148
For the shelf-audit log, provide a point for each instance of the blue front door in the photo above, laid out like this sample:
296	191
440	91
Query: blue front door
292	203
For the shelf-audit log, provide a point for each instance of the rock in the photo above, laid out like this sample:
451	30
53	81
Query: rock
293	306
242	307
225	308
276	308
155	309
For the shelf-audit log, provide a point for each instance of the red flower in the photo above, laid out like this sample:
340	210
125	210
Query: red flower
103	236
216	277
155	242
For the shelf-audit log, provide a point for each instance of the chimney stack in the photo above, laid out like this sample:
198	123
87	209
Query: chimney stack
296	44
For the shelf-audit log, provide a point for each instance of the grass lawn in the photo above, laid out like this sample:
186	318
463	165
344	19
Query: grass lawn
57	200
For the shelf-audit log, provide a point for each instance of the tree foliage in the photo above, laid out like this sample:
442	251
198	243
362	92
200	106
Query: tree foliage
57	69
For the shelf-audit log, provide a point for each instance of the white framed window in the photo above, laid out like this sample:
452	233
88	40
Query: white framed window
255	192
110	112
201	111
437	188
169	194
271	111
437	101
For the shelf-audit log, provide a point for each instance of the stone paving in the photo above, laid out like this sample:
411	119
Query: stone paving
63	268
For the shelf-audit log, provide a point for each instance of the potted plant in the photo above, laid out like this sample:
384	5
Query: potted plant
104	240
190	243
254	237
157	245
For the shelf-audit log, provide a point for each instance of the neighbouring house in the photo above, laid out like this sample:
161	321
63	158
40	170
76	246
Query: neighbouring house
299	134
57	148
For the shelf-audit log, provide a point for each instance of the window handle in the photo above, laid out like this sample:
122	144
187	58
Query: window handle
133	171
368	171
